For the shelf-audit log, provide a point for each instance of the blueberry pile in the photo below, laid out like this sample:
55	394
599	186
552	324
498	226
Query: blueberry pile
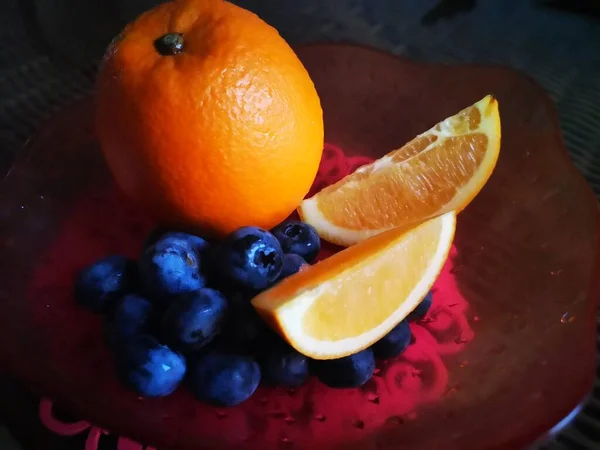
182	313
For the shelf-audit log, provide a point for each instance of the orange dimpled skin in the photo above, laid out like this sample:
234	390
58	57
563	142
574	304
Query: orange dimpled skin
207	117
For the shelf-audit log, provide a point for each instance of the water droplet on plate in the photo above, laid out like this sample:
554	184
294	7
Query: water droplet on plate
417	373
359	424
567	318
373	398
452	390
289	420
221	414
286	441
320	418
476	319
395	420
463	364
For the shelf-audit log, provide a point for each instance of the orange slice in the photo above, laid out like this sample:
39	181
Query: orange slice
347	302
440	170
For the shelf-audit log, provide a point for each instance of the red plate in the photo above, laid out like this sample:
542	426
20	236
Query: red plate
506	351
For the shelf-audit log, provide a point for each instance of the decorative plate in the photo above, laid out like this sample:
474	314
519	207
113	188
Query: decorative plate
505	353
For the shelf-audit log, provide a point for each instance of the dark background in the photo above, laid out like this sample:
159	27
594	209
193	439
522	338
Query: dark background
49	51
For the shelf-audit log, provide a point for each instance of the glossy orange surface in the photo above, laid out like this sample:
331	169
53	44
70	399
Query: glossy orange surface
227	132
506	353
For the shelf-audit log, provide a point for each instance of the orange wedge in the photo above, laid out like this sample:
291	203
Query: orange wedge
349	301
440	170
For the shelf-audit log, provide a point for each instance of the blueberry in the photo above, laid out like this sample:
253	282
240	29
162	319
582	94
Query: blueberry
422	308
348	372
393	343
194	319
284	366
133	315
265	342
173	265
99	286
291	265
161	234
298	238
244	327
224	379
251	257
149	368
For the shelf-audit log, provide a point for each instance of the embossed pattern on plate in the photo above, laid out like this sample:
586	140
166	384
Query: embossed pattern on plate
526	264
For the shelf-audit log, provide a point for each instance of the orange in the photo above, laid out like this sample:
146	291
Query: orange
440	170
207	117
349	301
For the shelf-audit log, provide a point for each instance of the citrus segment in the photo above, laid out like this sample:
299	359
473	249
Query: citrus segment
347	302
438	171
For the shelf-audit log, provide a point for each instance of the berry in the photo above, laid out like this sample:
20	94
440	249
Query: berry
223	379
149	368
99	286
298	238
133	315
291	265
265	342
244	326
251	257
284	366
194	319
161	234
348	372
172	265
393	343
422	308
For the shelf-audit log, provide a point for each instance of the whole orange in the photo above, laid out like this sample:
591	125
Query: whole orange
207	117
